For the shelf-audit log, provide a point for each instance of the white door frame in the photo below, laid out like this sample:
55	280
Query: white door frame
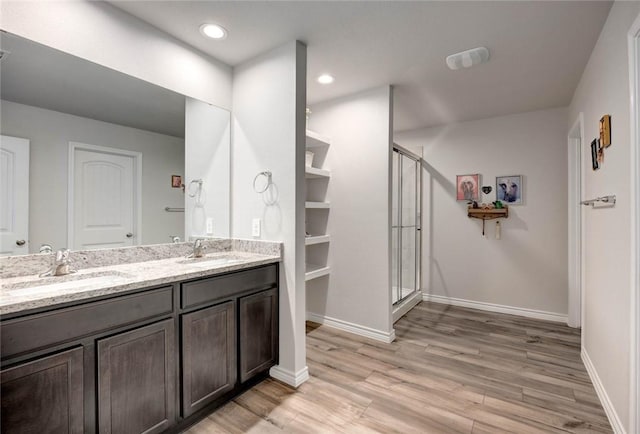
576	225
634	75
137	193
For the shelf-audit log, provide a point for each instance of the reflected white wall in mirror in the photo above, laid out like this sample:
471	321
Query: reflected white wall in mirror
207	157
53	99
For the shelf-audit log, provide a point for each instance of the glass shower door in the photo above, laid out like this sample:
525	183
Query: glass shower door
405	230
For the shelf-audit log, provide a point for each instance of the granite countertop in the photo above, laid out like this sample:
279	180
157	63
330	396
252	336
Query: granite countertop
23	293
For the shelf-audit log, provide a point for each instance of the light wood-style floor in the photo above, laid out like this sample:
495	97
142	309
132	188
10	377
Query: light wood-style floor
450	370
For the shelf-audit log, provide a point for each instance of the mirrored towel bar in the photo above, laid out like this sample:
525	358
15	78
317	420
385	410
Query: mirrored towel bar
169	209
611	199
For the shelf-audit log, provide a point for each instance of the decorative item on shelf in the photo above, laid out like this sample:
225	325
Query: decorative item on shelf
605	131
509	189
498	204
487	212
595	165
308	158
467	187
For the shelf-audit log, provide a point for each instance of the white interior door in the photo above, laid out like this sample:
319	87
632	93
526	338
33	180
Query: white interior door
14	196
104	198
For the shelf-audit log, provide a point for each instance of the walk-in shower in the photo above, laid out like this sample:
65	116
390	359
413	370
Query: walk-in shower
405	225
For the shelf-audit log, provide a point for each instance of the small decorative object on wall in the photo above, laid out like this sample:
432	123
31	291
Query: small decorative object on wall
487	189
509	189
176	181
468	187
594	155
605	131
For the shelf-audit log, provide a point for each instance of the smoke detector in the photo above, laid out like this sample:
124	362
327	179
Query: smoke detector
469	58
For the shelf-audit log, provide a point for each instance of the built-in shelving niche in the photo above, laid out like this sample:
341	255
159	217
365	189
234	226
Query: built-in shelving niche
317	209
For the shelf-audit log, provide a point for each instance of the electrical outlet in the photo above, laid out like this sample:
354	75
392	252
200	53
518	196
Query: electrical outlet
209	226
255	227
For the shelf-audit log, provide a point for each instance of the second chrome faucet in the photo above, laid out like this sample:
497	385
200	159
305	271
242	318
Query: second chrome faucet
198	249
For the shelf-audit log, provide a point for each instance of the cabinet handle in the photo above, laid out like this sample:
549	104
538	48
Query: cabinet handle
20	242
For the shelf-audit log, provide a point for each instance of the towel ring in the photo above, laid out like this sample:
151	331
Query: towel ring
266	174
195	181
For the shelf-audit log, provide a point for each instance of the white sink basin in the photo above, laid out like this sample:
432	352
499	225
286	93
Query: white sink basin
210	262
33	288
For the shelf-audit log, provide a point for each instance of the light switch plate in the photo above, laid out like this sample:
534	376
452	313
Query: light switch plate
209	226
255	227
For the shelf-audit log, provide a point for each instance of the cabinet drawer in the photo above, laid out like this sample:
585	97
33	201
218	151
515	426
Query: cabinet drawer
38	331
206	290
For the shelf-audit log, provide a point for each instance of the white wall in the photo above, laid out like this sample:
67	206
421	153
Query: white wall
269	97
604	89
103	34
207	157
527	268
360	128
50	133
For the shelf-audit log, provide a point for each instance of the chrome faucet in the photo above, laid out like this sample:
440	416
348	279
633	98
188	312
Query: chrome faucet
198	249
61	264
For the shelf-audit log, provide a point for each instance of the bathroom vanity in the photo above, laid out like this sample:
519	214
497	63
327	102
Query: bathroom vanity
135	356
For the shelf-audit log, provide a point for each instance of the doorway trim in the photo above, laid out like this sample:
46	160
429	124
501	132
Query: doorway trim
137	193
633	39
576	233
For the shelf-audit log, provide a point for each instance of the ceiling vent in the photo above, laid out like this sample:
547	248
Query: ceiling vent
469	58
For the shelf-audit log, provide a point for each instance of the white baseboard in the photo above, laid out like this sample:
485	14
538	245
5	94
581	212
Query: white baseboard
293	379
356	329
490	307
614	419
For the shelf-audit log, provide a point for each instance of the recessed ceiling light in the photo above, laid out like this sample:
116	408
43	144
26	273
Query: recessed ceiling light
325	79
213	31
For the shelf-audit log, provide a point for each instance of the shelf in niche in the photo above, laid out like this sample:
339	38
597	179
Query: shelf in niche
315	271
315	140
314	173
317	205
316	239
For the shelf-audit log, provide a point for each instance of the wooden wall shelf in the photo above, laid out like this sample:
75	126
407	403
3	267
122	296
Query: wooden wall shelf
488	214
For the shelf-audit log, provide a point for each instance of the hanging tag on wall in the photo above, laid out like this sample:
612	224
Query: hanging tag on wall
498	230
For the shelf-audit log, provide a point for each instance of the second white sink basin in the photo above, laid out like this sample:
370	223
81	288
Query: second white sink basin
206	262
34	288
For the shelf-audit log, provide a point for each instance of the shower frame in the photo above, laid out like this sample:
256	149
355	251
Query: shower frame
399	298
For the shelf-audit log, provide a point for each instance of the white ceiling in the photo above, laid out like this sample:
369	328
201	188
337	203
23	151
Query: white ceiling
538	48
40	76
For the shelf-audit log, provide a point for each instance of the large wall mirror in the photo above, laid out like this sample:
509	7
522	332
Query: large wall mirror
93	158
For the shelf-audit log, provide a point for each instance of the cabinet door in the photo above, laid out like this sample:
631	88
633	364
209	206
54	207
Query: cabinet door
44	395
258	333
209	355
136	380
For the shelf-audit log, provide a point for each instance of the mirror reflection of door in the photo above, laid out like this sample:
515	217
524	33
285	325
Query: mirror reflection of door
104	203
14	196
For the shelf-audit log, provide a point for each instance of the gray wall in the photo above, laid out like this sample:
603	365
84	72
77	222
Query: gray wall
268	134
359	294
527	268
604	89
50	133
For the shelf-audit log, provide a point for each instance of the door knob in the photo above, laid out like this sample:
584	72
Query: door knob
129	235
20	242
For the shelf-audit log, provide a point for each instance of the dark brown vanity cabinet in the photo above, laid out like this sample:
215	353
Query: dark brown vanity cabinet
258	333
208	355
148	361
136	380
44	395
